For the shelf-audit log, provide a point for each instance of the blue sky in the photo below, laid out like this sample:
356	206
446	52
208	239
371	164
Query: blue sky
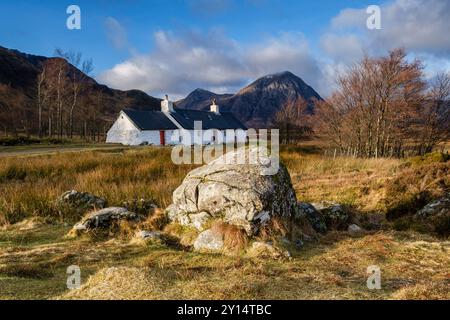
175	46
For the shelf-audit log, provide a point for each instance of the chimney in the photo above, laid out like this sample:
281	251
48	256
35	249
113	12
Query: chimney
214	107
167	105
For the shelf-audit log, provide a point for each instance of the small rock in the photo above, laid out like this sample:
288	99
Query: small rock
105	218
336	215
438	207
149	235
81	201
313	216
209	240
354	230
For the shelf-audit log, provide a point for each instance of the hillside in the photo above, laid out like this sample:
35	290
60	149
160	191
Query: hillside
257	103
18	91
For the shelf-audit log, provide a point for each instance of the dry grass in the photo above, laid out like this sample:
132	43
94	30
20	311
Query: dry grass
34	254
411	268
31	185
234	238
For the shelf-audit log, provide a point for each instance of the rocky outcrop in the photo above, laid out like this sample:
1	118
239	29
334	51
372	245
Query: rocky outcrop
238	194
105	218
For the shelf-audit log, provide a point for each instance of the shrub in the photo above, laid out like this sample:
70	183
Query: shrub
415	187
23	141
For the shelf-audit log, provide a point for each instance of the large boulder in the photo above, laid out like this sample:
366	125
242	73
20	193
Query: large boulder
105	218
239	194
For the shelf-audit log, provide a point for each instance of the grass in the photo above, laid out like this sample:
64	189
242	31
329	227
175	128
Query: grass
412	266
35	254
31	186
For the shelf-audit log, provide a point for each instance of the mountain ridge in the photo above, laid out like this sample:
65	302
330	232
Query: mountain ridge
257	103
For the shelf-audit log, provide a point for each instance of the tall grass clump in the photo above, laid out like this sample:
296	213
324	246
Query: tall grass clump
30	186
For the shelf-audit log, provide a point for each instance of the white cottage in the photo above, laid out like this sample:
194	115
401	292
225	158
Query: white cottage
176	126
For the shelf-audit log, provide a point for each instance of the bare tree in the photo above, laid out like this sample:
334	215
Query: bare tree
435	114
292	120
77	80
372	112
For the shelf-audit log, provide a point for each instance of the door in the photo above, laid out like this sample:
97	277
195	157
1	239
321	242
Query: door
162	138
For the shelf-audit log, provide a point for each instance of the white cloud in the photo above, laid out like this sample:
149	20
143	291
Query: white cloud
342	48
180	63
420	26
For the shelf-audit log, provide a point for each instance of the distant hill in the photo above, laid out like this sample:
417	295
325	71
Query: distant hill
18	82
200	99
257	103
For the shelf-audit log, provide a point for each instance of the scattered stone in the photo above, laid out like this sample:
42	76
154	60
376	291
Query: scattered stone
265	250
354	230
149	235
313	216
209	241
435	217
336	215
105	218
144	237
439	207
81	201
238	194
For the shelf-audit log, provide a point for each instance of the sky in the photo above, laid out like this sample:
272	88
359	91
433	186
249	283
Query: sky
177	46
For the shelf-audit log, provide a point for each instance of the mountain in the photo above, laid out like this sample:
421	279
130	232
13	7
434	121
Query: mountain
200	99
18	90
257	103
